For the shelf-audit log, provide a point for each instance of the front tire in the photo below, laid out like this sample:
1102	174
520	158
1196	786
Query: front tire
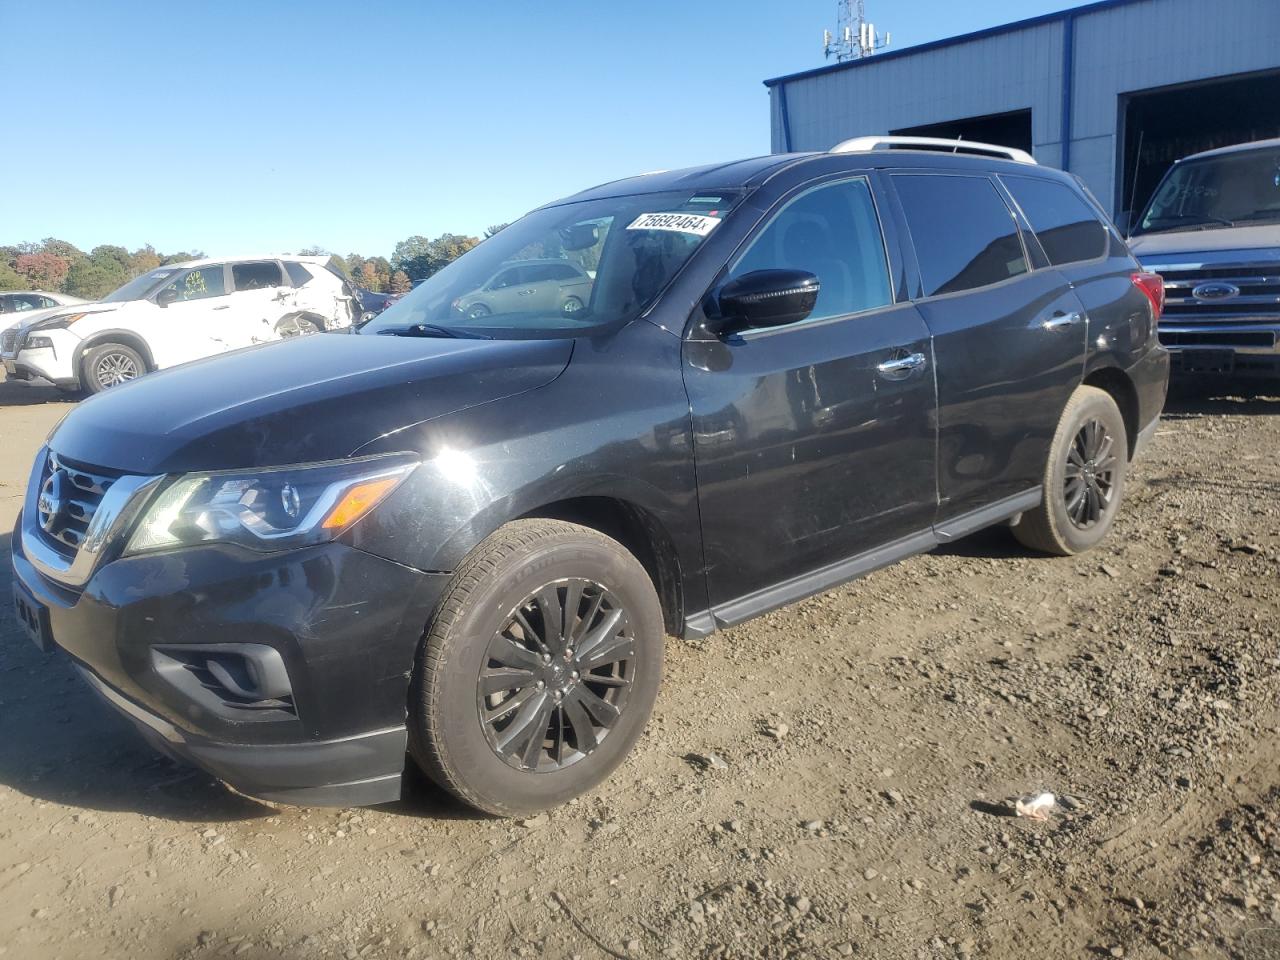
110	364
1083	480
539	670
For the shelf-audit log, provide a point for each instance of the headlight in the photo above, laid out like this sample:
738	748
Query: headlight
60	321
275	508
37	343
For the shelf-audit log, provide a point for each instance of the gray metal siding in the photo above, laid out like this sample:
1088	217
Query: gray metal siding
1118	50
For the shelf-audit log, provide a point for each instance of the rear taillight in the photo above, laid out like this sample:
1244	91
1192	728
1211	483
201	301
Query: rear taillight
1152	284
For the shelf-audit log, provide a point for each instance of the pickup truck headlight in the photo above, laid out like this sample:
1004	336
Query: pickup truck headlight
277	508
37	343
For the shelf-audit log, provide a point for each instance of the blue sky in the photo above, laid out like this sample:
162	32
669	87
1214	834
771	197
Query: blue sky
271	125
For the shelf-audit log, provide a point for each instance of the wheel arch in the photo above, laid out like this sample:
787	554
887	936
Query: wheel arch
125	338
1120	387
637	529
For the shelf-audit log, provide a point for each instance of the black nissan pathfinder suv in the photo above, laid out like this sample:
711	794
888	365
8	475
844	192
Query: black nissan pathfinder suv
463	535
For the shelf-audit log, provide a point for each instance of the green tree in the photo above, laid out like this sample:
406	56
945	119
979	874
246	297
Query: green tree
420	258
495	229
94	276
9	278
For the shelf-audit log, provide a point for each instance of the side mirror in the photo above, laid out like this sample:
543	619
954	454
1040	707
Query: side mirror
767	298
166	296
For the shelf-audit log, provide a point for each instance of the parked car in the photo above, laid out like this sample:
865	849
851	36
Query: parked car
29	301
1212	230
175	314
528	285
467	536
372	303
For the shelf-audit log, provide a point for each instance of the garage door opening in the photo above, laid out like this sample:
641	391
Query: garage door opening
1004	129
1161	126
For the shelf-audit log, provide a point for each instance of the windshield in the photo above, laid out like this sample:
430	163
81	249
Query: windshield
138	287
1217	192
562	270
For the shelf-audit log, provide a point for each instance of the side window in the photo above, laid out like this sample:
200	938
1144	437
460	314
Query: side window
200	283
505	279
831	231
298	274
964	234
256	276
564	271
46	303
24	301
4	305
1068	228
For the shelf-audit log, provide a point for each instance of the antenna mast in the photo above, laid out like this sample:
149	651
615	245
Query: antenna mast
855	37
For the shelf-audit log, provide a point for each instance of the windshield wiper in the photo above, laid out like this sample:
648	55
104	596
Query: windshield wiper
433	330
1190	219
1261	215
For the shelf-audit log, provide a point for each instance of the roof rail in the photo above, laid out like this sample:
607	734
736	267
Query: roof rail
868	144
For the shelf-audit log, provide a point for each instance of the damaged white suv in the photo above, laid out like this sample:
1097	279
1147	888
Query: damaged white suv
177	313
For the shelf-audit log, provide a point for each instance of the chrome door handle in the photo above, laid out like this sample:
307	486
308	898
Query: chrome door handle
901	367
1060	321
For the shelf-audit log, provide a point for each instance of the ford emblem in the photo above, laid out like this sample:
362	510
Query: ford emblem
1216	290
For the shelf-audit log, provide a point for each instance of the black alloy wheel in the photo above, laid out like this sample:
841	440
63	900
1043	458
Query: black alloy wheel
557	676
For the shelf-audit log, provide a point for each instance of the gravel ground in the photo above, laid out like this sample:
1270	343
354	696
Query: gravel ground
831	780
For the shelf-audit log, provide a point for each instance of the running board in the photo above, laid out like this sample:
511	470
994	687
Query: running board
705	622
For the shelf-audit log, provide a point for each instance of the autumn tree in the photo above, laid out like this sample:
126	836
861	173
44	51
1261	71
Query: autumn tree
368	277
143	260
400	282
42	271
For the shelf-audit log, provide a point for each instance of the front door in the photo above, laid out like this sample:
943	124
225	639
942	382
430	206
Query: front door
1009	339
814	442
189	326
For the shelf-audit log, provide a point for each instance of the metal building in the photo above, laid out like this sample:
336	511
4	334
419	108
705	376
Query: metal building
1113	91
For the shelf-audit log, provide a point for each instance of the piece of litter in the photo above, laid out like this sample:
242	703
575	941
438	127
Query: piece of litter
1035	807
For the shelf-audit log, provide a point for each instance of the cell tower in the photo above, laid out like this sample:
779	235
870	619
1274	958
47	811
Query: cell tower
855	38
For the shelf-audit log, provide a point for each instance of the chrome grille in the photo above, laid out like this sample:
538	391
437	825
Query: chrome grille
1257	302
9	341
83	492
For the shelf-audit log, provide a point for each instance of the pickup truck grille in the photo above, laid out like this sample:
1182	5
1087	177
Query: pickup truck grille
82	491
1257	302
9	341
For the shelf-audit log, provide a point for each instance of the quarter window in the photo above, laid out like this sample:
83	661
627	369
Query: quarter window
964	234
256	276
298	274
833	232
1068	228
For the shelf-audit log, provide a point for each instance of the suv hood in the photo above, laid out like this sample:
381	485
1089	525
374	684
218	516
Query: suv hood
33	318
1261	242
294	401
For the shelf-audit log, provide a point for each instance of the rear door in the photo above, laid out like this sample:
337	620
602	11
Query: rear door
260	297
1008	339
814	442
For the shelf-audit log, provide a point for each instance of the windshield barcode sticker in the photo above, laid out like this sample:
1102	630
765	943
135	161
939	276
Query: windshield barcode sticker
694	223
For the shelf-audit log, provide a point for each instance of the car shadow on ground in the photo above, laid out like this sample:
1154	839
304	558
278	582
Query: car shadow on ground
60	743
19	393
1191	397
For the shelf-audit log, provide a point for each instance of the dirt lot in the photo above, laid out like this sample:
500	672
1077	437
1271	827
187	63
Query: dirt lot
865	743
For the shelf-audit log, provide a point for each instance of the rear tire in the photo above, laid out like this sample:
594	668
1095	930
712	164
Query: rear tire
1084	478
108	365
297	327
539	670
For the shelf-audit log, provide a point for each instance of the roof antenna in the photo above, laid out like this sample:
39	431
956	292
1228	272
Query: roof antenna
855	37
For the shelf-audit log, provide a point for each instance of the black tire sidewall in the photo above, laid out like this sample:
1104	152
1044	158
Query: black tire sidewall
95	353
1097	406
459	734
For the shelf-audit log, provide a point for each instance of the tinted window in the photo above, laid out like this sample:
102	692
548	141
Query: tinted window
562	271
4	305
256	276
832	232
46	302
964	234
200	283
25	301
298	274
1067	226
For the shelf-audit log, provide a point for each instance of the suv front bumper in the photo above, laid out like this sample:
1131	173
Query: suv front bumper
344	624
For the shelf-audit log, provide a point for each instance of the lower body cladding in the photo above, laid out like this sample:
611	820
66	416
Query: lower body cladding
285	675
